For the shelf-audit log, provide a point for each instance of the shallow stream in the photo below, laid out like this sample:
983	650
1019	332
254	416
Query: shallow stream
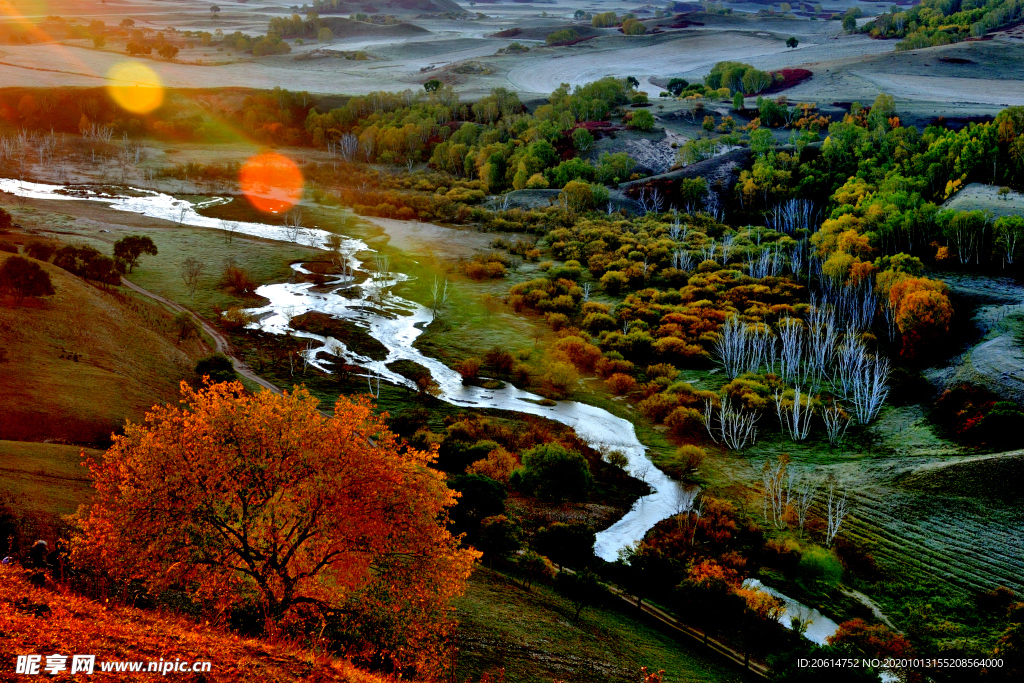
366	300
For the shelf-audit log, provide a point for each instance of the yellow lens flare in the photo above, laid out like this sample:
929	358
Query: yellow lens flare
271	182
23	21
135	87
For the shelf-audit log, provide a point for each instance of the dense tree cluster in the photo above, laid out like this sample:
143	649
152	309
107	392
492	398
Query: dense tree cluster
21	278
492	140
89	263
941	22
737	77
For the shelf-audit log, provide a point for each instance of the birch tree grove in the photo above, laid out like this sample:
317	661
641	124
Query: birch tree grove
795	415
778	486
803	498
791	347
853	304
708	250
789	495
869	389
737	426
348	145
822	337
439	294
792	215
682	260
836	423
768	263
293	225
837	504
807	357
741	348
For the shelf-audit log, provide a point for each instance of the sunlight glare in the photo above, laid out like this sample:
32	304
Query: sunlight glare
271	182
136	88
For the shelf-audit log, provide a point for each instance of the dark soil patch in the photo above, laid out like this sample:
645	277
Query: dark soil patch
346	28
566	43
408	369
994	477
720	172
790	78
355	338
960	122
239	209
542	32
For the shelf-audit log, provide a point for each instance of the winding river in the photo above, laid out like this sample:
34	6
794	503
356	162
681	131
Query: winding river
366	300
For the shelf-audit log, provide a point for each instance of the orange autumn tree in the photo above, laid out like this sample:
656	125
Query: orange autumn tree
260	499
874	640
923	311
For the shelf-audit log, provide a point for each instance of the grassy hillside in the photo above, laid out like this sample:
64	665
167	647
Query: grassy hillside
69	624
45	477
532	635
79	363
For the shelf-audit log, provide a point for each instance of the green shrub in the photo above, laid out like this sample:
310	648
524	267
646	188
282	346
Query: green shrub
632	27
553	472
820	566
570	544
22	277
642	120
563	36
217	367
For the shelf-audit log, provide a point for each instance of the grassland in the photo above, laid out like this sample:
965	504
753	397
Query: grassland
81	362
978	197
475	318
45	477
533	636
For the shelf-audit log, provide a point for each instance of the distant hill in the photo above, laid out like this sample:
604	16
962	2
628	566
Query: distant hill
396	7
78	363
424	5
346	28
542	32
43	622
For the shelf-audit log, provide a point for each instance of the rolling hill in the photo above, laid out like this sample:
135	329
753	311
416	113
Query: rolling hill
77	364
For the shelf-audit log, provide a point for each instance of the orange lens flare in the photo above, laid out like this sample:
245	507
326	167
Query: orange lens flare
271	182
135	87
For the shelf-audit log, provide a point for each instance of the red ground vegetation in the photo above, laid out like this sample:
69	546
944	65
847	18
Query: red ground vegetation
52	620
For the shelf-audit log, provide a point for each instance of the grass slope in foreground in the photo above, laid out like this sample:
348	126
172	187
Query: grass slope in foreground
533	636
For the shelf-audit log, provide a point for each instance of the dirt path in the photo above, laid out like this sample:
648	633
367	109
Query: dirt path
870	604
219	340
678	627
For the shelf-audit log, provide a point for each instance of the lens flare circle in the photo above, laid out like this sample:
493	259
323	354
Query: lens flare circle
136	87
271	182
